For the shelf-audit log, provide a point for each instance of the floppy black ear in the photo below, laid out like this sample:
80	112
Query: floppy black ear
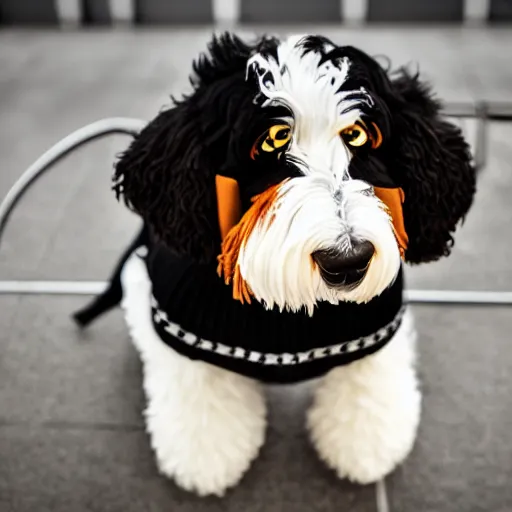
167	175
430	160
162	177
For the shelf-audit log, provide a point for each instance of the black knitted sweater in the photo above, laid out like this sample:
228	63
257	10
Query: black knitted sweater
195	314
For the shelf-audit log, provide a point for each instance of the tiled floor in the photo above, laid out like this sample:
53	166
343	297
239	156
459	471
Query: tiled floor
71	434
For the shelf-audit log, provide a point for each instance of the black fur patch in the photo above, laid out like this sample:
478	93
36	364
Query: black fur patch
167	175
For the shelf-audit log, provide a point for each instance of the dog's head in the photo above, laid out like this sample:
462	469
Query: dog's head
305	168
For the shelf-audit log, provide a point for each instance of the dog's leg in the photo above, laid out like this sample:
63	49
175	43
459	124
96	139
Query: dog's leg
365	415
206	424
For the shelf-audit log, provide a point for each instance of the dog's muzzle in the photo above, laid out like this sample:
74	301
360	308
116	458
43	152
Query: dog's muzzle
344	268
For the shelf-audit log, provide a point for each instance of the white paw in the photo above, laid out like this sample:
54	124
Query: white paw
363	447
206	424
365	416
206	427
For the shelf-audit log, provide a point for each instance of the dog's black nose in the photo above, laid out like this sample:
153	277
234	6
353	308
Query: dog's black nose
345	268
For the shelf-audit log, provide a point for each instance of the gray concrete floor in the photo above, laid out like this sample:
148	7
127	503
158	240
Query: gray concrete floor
71	435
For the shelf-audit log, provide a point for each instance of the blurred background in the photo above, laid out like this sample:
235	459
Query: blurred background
71	431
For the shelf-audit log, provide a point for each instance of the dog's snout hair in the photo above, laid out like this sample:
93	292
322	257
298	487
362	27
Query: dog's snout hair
308	217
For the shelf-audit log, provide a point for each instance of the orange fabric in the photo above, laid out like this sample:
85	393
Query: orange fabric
229	207
228	259
393	198
378	141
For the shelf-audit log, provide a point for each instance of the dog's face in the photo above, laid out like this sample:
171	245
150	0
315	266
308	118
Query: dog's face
335	172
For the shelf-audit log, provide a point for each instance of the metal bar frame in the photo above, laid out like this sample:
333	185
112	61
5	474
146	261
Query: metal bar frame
483	112
79	288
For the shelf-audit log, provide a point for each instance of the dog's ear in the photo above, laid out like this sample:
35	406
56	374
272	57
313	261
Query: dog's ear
168	173
429	159
163	177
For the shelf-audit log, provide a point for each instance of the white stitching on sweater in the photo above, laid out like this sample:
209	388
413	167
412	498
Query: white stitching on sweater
283	359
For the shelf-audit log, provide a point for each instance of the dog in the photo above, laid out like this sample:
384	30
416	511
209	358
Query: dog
280	201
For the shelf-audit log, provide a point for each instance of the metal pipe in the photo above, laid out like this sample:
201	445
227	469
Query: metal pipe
62	148
381	496
411	296
52	287
466	297
492	111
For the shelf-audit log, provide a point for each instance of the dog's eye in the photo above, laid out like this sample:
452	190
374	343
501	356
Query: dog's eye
277	137
274	139
354	135
357	135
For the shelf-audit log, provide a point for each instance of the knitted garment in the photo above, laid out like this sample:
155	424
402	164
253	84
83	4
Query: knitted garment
195	314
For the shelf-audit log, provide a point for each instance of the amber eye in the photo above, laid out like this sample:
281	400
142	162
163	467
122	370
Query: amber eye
358	135
274	139
354	135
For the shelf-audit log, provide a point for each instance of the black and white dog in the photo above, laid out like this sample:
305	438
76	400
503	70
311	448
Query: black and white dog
279	201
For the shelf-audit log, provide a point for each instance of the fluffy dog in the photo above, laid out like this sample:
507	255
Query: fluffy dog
280	200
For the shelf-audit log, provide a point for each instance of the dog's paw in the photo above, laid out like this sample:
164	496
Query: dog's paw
365	439
206	432
206	424
365	416
363	458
